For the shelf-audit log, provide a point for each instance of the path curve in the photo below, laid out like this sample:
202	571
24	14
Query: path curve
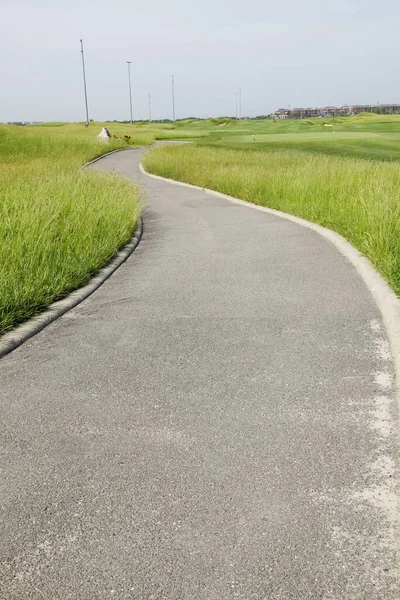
217	421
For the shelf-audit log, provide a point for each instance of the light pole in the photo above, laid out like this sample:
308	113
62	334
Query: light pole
240	103
128	62
84	85
173	100
236	113
149	107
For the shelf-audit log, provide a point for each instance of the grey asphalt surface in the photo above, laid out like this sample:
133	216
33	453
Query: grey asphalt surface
217	421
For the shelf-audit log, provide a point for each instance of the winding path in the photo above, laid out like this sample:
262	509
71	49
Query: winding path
217	421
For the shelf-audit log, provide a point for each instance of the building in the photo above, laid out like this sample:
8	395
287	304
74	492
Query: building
304	113
333	111
383	109
330	111
281	113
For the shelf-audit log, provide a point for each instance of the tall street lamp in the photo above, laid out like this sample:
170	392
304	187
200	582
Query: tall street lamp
173	99
84	85
130	89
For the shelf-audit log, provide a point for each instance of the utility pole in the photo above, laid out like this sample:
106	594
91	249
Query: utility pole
130	89
240	103
236	114
84	85
173	100
149	107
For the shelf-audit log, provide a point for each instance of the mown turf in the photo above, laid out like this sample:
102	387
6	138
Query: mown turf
368	136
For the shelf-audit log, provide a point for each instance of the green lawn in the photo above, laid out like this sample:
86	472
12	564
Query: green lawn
369	136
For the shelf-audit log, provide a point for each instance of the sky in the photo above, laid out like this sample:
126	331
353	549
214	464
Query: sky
279	54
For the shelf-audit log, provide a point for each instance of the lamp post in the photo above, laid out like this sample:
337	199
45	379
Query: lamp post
236	113
173	100
130	89
149	107
84	85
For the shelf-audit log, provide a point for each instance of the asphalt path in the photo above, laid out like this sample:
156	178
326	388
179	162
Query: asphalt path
217	421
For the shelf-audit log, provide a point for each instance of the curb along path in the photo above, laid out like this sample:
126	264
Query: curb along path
218	421
19	335
10	341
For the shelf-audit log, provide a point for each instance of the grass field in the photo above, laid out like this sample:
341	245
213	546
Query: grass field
348	181
58	225
367	136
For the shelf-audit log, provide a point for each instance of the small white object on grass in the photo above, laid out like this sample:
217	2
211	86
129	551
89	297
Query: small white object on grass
104	135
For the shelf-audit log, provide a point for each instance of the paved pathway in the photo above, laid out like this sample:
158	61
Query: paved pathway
215	422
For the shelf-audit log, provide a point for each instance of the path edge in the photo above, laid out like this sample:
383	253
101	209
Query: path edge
386	300
91	162
10	341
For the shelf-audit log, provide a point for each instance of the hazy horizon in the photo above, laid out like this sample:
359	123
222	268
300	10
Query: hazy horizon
298	55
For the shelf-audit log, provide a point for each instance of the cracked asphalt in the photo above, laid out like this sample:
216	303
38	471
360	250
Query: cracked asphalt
217	421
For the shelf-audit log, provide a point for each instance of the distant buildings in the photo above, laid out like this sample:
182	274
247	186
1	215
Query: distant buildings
334	111
24	122
281	113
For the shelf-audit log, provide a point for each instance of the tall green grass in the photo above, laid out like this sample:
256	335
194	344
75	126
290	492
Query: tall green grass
359	199
58	225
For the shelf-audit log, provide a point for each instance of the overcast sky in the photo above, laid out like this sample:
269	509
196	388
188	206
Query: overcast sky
293	52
